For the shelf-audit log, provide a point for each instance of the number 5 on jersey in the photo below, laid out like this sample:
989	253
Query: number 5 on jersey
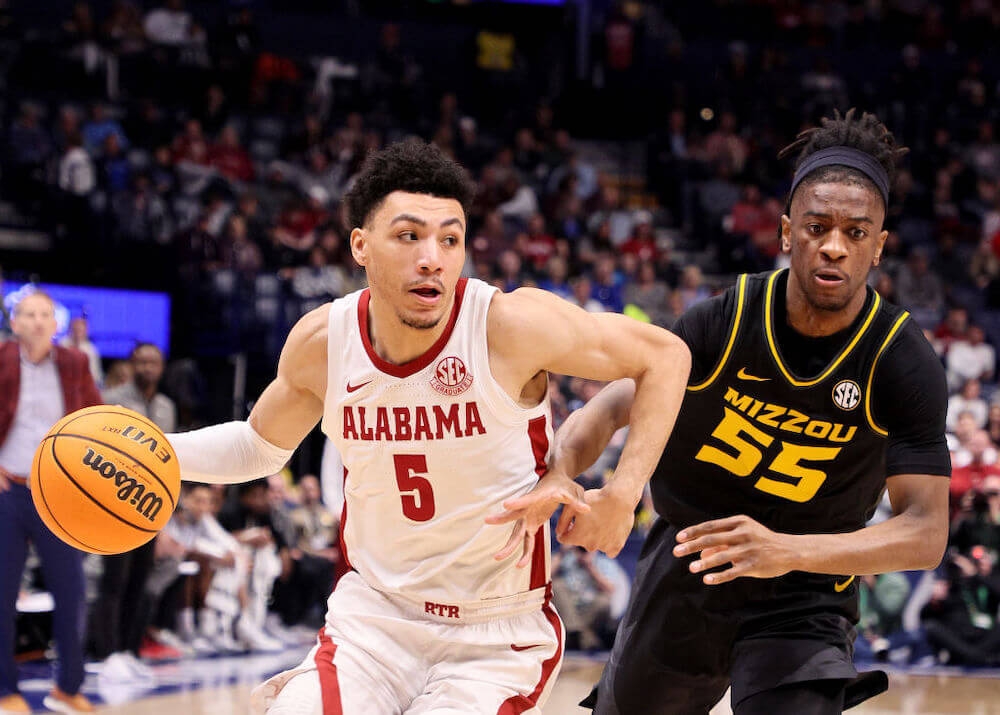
415	490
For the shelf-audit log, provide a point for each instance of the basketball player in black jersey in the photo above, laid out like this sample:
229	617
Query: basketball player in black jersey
809	396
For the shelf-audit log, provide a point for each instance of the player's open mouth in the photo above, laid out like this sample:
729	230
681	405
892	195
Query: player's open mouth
829	278
427	294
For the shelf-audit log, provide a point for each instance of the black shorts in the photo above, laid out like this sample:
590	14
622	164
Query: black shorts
682	643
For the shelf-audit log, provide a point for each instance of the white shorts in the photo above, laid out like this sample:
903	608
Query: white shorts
382	654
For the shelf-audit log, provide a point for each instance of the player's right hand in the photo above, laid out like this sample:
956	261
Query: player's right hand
4	482
533	509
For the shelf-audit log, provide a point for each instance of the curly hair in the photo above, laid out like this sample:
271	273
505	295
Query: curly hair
865	133
413	166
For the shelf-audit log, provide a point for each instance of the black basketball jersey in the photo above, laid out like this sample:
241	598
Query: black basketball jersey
800	454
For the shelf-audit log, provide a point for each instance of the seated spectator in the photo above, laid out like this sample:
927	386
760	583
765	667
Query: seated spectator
99	127
642	243
717	197
725	146
970	358
518	201
29	147
214	112
954	327
115	170
304	138
554	278
919	289
77	175
488	243
984	268
75	219
583	586
123	29
536	245
960	618
191	145
610	208
648	294
607	286
119	373
213	592
970	400
282	500
583	295
882	600
972	463
295	234
162	174
141	214
169	24
239	252
199	251
229	157
509	266
319	281
692	288
314	555
993	420
978	524
958	439
250	521
321	172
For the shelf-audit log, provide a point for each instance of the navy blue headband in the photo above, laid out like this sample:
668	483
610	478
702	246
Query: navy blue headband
849	157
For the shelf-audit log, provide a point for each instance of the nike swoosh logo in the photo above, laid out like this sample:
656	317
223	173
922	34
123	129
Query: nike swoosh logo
352	388
744	375
838	587
519	648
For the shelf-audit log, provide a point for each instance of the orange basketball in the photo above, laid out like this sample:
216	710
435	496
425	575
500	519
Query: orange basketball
105	479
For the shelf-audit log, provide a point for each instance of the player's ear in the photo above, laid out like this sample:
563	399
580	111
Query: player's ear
359	246
785	234
879	244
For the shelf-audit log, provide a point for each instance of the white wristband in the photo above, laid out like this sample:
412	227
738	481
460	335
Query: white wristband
227	454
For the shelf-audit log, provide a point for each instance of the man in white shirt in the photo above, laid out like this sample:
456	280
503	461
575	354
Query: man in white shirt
970	358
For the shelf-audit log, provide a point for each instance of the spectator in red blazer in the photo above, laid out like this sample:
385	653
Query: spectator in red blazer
39	383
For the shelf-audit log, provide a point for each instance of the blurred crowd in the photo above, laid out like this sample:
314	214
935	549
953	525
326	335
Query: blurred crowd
169	146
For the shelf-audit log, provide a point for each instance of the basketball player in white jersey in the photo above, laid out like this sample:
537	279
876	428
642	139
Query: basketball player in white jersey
433	389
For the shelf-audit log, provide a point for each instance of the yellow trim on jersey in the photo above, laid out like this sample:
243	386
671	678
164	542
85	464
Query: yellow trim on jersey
740	297
871	375
773	345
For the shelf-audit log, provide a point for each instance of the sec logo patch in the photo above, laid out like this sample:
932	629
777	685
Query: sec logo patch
450	377
846	395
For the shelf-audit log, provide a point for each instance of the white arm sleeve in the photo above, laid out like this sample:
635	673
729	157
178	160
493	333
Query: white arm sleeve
226	454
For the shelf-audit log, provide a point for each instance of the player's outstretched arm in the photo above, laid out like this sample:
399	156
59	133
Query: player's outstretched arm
532	331
284	414
913	538
585	434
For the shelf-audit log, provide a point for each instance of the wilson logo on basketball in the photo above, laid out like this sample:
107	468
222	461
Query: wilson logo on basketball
147	503
450	377
137	435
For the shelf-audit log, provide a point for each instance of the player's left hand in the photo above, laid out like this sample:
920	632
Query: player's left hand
534	509
751	548
606	527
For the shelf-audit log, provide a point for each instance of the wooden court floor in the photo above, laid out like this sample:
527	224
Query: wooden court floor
909	694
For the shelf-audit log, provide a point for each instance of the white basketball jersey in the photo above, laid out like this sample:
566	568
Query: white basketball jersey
431	448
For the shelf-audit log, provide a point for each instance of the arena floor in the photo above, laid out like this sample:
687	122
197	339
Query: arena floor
221	686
